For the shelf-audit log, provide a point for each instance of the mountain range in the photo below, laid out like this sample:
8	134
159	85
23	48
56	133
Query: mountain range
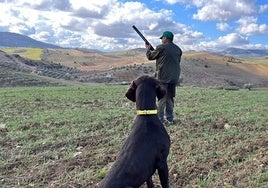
8	39
245	52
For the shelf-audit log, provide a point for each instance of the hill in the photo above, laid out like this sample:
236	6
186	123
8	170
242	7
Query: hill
205	69
78	66
8	39
245	52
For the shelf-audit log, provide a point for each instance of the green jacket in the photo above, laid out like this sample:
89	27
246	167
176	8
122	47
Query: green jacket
168	58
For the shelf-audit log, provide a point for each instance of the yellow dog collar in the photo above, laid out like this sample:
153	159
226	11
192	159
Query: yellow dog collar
146	112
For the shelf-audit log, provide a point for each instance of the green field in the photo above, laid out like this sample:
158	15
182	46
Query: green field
30	53
68	136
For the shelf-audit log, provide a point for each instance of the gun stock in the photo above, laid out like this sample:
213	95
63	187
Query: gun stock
143	38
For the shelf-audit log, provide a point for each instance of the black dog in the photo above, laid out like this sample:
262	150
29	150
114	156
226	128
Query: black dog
147	147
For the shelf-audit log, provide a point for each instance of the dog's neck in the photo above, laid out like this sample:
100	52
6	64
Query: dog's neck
146	112
146	101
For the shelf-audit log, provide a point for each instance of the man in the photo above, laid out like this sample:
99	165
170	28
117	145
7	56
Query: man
168	58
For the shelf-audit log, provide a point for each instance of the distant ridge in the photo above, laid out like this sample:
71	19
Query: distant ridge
8	39
85	50
246	52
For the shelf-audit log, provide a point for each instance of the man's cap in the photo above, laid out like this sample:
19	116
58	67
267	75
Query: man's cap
167	34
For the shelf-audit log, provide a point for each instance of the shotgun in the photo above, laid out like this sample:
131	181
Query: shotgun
143	38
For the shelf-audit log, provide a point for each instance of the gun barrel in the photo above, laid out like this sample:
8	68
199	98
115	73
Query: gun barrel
141	35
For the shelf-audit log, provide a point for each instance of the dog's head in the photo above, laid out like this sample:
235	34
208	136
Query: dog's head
159	89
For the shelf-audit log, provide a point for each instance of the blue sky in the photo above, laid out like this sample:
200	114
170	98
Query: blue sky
211	25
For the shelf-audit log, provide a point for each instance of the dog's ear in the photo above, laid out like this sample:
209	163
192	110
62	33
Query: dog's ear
160	91
131	92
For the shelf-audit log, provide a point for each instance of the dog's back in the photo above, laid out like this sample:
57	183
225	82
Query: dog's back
147	147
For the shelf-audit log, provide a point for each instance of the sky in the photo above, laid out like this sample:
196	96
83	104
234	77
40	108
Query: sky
106	25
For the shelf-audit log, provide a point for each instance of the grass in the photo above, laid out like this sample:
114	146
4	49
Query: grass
30	53
67	136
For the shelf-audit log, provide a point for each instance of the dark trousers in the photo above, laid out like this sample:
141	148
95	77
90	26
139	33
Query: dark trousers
166	104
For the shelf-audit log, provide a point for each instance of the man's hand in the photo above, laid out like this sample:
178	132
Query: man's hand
148	46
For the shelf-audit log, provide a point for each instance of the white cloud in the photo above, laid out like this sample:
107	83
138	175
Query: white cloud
4	10
41	36
223	26
92	9
197	3
263	8
249	26
225	10
221	10
223	42
189	38
233	39
45	5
